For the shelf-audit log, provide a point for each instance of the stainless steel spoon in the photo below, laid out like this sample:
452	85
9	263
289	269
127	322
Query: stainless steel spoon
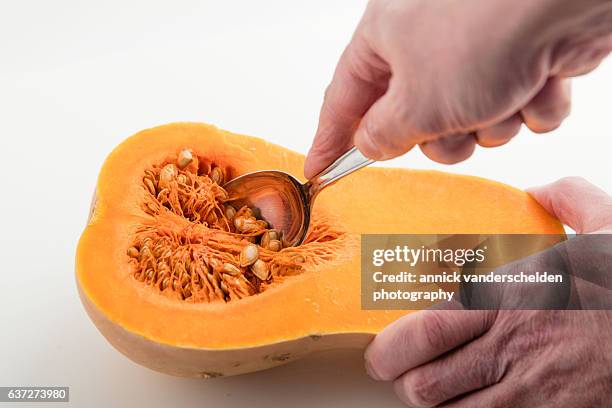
284	202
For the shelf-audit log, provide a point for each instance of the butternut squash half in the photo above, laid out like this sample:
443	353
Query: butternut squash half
159	267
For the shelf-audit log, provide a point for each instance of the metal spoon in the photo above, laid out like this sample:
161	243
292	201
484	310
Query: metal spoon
284	202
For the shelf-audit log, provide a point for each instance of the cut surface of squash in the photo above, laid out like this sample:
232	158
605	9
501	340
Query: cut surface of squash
164	271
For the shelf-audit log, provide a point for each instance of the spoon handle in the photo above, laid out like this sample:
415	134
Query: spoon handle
346	164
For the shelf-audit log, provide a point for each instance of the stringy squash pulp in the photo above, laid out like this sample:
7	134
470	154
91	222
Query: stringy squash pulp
182	282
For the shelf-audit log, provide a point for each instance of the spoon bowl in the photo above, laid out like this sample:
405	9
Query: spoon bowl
274	196
285	203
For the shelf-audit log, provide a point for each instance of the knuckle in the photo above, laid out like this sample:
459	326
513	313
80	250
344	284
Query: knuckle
526	334
490	370
326	144
335	108
531	341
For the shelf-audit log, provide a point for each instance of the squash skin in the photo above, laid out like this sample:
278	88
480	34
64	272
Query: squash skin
319	310
211	363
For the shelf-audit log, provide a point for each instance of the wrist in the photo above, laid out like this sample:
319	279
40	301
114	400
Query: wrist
571	33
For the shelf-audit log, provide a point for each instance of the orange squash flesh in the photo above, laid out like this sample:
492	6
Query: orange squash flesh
317	310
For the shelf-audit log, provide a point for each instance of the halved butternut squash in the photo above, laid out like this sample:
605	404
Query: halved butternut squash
151	265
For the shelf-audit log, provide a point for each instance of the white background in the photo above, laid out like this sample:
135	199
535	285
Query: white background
78	77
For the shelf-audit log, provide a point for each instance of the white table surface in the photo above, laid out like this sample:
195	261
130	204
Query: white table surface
78	77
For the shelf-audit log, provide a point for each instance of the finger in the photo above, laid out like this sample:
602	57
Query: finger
471	367
549	107
500	133
358	81
420	337
392	126
450	149
501	395
577	203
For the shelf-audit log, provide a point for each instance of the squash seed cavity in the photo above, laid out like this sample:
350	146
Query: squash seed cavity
197	247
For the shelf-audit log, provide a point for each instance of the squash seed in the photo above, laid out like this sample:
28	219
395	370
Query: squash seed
162	193
216	175
247	225
133	252
239	222
230	212
145	252
168	173
184	158
230	269
269	236
249	255
211	218
150	186
181	178
298	259
224	287
275	245
261	270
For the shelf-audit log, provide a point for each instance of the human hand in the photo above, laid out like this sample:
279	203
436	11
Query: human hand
446	75
507	358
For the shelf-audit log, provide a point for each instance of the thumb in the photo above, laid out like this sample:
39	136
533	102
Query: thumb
576	203
418	338
359	80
